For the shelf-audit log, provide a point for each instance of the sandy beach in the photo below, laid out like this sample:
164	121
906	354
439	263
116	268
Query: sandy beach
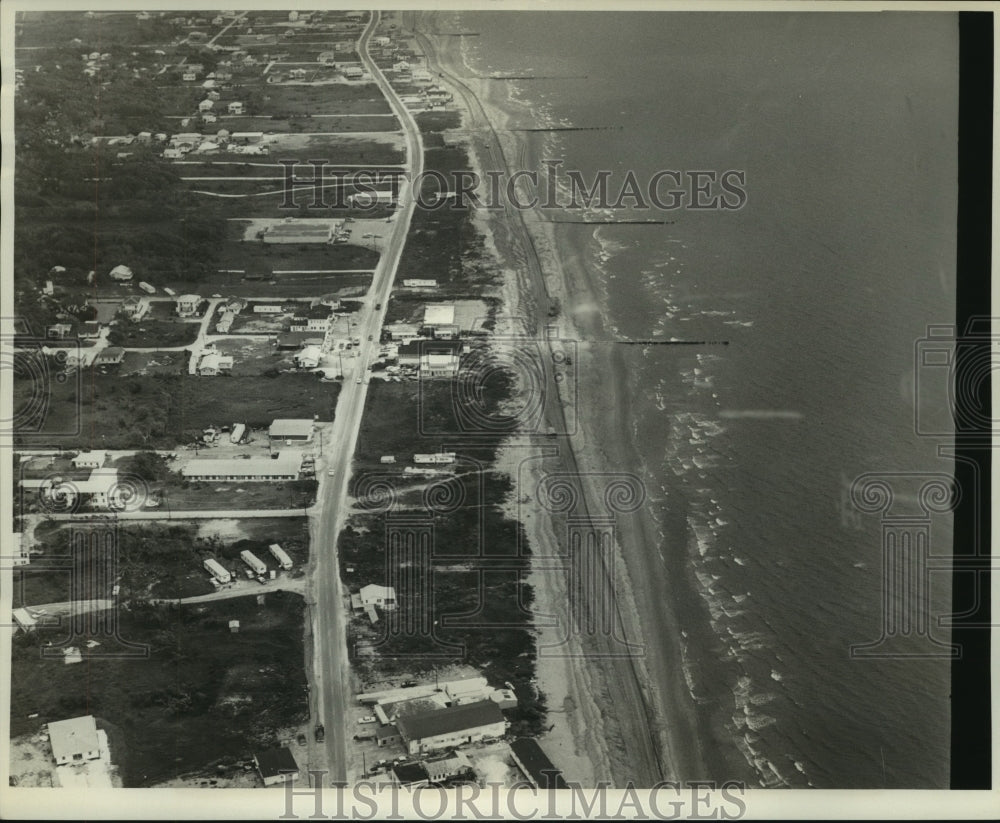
596	734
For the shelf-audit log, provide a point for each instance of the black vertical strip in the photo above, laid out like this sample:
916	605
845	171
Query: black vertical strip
971	762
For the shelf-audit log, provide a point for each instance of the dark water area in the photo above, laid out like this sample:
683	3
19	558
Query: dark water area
820	285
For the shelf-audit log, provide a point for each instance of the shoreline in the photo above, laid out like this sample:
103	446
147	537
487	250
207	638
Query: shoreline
584	709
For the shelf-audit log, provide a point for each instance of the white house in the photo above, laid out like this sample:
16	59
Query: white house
309	357
89	460
187	304
74	740
381	596
205	105
121	273
236	108
214	364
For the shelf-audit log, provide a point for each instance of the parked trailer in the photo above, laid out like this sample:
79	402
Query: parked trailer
147	288
279	554
214	568
253	561
439	457
239	430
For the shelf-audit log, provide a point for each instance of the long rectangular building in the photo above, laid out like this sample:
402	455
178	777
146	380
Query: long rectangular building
245	470
455	726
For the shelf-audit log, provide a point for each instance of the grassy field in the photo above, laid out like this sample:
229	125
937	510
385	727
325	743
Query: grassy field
153	334
331	98
164	411
304	123
296	494
203	699
255	257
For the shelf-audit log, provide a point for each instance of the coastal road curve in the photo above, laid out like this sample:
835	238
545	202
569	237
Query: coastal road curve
331	670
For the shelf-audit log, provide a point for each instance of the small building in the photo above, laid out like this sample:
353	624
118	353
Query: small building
297	340
445	332
121	273
214	96
353	72
504	698
296	232
309	357
435	457
382	596
89	460
535	764
58	331
368	199
217	570
213	364
235	107
248	138
402	331
267	308
134	307
454	726
439	314
111	356
281	556
234	626
187	304
74	740
276	766
26	621
291	430
387	735
387	458
451	765
189	76
417	283
409	775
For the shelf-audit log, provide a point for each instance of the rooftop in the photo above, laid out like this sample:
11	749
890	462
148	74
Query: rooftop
274	762
407	773
286	463
537	764
73	736
439	314
290	428
447	721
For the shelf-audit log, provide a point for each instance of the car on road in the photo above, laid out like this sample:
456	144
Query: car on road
369	338
359	381
301	739
331	473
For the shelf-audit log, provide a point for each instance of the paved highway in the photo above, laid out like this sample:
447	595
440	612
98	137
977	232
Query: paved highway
331	674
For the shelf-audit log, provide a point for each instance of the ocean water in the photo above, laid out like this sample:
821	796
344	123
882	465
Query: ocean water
810	300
